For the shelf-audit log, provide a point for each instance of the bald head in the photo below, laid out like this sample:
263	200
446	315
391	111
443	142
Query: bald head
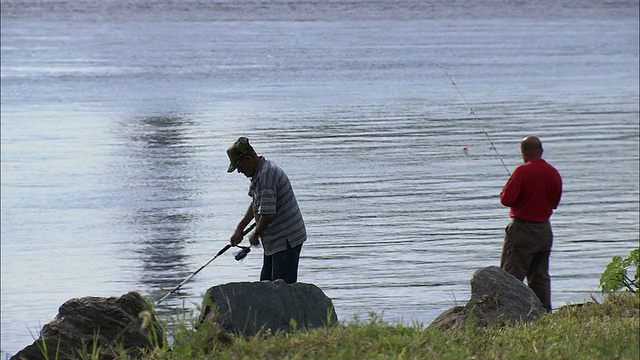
531	148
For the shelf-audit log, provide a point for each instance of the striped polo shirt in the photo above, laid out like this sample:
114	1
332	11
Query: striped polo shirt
272	193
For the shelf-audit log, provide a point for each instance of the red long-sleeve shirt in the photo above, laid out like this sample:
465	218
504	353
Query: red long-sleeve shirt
533	191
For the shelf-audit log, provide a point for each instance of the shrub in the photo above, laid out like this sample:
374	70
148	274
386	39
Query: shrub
615	277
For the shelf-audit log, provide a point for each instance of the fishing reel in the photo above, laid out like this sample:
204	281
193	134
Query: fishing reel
244	251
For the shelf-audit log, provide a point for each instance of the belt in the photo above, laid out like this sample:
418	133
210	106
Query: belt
515	219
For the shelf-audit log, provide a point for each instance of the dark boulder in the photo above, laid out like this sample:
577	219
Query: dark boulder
248	307
497	299
112	325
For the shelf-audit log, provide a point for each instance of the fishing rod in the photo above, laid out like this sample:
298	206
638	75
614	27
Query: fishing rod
476	117
244	250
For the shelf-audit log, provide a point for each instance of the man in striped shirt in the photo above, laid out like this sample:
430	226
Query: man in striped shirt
279	223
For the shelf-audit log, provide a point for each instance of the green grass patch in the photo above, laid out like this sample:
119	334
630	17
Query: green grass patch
606	330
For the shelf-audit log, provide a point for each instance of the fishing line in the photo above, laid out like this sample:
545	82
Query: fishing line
475	116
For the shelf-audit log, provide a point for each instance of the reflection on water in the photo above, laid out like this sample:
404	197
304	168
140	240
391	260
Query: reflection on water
158	174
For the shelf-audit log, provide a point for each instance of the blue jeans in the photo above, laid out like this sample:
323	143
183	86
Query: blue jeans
282	265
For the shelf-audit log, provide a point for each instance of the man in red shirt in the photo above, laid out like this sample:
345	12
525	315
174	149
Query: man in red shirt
532	192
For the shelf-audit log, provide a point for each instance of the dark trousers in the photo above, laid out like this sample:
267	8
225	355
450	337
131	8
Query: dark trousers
526	251
282	265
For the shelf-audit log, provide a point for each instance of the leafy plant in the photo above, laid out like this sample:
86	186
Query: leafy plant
615	277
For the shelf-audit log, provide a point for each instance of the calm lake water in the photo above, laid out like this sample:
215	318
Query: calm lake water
116	116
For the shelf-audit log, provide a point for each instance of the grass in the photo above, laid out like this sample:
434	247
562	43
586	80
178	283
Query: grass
606	330
594	330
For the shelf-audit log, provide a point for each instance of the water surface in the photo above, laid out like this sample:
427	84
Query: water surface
116	117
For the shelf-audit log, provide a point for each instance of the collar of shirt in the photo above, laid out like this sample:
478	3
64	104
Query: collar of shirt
256	174
538	160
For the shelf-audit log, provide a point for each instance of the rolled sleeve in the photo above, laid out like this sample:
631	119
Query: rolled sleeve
267	200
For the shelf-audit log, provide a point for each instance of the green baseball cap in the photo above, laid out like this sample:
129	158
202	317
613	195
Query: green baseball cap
237	150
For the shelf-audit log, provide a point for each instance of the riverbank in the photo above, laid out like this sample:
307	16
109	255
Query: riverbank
594	330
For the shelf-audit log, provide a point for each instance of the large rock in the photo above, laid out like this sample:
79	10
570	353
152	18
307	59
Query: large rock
113	324
248	307
497	299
